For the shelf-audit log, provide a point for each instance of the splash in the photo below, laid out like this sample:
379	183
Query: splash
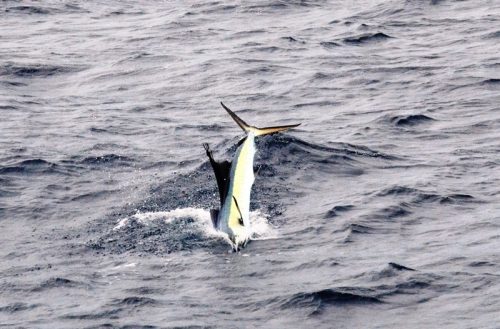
261	229
199	215
260	226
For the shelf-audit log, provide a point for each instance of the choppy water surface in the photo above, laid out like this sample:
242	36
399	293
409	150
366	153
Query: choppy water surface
381	211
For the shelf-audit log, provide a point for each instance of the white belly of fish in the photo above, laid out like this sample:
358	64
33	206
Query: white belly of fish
241	181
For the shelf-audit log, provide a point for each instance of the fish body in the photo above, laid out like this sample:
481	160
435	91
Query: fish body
234	215
235	180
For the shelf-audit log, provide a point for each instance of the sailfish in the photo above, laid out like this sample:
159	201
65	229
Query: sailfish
235	180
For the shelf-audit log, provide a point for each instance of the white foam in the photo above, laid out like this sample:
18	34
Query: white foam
260	227
145	218
121	223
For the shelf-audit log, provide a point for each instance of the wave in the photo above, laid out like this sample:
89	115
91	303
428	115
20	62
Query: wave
410	120
353	229
9	107
30	166
65	167
140	326
57	283
271	6
318	300
36	70
96	195
493	35
390	271
291	39
490	82
367	38
107	159
201	127
146	290
399	267
123	12
106	314
316	104
482	264
420	196
12	84
457	199
29	10
329	44
135	301
290	146
390	212
337	210
44	10
17	307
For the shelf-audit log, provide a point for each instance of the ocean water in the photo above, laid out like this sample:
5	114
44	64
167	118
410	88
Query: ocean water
382	210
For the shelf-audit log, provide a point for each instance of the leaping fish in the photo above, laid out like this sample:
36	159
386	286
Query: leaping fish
235	180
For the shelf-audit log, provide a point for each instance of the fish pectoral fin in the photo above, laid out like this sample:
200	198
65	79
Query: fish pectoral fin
214	215
240	220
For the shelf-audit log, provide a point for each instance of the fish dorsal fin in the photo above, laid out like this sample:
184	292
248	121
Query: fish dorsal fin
240	220
221	171
214	215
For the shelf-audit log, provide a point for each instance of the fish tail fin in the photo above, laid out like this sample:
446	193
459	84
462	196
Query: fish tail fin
256	131
273	130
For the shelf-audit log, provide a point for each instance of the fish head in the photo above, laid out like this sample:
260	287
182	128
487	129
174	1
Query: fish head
239	237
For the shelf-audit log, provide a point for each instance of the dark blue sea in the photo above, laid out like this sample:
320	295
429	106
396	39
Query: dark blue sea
382	210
